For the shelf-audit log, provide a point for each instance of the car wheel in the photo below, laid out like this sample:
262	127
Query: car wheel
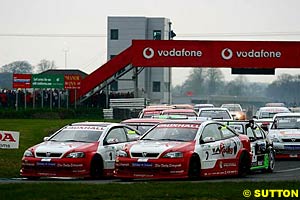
96	170
194	168
244	165
271	161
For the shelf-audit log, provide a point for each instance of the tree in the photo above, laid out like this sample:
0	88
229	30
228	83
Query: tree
195	81
45	65
238	86
18	67
214	79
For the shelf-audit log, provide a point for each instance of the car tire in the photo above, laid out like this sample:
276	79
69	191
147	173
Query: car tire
96	169
194	168
244	165
271	161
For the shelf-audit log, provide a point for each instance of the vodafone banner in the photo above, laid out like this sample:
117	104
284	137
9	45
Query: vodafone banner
234	54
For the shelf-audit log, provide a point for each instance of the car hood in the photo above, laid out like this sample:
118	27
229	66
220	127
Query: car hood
60	147
286	132
157	146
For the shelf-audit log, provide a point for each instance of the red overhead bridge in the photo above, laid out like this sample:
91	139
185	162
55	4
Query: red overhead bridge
187	53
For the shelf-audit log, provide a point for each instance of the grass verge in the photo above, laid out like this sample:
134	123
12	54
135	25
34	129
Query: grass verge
143	190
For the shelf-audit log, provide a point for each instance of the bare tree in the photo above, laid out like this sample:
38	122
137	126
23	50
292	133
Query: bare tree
214	79
45	65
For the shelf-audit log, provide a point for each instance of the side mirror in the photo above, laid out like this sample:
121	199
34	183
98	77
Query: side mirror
254	117
208	139
46	139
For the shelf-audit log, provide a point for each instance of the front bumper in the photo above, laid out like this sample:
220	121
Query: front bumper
286	149
163	168
63	167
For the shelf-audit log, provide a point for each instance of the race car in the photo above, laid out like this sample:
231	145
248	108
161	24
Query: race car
84	149
185	149
263	154
151	111
285	134
215	113
264	115
236	111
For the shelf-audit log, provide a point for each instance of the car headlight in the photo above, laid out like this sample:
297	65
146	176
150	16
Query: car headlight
28	153
76	155
274	138
174	155
121	153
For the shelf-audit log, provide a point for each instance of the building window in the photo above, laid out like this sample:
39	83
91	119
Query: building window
156	86
157	35
114	86
114	34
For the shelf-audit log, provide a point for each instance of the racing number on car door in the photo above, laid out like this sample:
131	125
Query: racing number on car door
114	141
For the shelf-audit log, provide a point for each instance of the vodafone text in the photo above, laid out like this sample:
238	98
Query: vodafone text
148	53
227	54
258	54
182	52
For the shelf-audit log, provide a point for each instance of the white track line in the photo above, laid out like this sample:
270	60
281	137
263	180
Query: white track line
289	170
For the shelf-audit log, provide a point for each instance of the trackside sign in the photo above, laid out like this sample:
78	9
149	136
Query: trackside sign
9	140
234	54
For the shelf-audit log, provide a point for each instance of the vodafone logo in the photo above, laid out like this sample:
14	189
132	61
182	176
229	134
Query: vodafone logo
148	53
226	54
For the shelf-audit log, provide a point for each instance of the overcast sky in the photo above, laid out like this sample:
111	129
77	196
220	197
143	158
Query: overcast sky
192	20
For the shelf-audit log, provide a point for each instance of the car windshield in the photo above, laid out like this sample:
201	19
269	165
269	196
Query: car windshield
266	115
79	134
151	114
215	114
286	123
173	132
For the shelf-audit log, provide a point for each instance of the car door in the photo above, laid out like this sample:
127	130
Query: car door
210	146
231	143
115	140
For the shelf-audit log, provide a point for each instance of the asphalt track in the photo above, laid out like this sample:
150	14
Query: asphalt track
285	170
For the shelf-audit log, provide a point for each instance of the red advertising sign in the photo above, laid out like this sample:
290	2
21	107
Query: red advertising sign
21	80
72	81
234	54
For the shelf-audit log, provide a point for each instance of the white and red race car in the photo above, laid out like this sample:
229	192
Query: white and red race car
85	149
185	149
285	134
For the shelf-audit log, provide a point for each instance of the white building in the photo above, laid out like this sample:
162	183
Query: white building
152	83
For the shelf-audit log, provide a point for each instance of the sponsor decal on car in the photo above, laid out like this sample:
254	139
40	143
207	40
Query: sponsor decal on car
9	140
194	126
